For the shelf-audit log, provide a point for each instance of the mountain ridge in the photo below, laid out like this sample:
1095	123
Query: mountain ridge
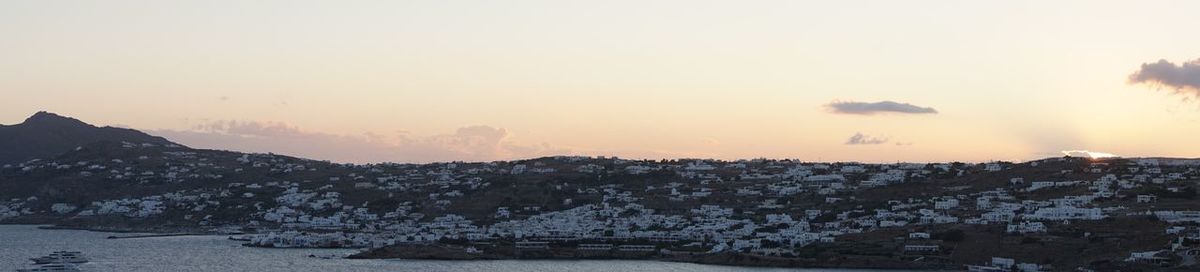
45	135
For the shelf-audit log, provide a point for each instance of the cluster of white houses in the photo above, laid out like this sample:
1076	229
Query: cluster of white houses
721	228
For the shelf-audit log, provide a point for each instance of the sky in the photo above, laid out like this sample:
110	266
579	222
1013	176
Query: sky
422	81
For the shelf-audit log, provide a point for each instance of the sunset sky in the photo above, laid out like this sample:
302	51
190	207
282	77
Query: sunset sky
419	81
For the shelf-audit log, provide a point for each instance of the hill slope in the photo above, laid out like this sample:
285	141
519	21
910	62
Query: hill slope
46	135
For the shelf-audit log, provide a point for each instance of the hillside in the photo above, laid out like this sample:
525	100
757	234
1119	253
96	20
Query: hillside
45	135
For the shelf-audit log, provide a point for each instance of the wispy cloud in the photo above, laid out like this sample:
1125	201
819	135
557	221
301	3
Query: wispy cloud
472	143
1183	78
862	139
869	108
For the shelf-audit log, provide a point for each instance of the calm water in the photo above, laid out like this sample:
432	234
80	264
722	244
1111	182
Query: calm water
18	243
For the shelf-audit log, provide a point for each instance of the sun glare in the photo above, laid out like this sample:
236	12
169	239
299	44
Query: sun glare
1088	154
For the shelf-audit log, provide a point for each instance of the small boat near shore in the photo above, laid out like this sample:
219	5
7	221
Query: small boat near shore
326	256
54	267
60	258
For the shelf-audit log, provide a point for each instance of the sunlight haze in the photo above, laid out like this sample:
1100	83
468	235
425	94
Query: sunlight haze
419	81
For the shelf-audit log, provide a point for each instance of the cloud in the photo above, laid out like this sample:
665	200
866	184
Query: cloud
1087	154
1183	78
866	108
861	139
472	143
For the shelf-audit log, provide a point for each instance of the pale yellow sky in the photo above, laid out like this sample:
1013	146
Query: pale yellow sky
1010	80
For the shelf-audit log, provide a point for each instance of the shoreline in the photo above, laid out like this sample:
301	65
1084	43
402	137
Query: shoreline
132	233
106	230
154	235
686	261
450	253
669	260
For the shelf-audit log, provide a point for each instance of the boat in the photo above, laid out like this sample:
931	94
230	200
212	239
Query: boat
985	268
56	267
73	257
325	256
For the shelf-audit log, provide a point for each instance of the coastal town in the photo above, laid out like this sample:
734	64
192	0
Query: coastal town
599	136
1045	215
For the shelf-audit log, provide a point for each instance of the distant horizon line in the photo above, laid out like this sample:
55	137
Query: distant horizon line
708	159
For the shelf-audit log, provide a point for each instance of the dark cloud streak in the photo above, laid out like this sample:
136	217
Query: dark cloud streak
868	108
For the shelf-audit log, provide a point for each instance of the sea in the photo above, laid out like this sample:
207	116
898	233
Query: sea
205	253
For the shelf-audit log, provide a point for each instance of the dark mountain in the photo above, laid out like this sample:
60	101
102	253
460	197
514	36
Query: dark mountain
46	135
